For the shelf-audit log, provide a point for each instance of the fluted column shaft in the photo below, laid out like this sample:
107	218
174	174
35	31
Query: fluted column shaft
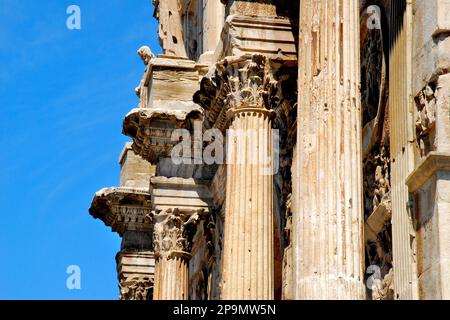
248	266
172	277
328	221
402	136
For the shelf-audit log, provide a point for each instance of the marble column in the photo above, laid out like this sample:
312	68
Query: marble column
248	263
171	277
402	150
328	220
172	239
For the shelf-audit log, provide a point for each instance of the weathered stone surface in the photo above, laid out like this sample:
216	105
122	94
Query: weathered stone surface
128	212
189	28
246	80
360	101
174	232
151	129
165	80
135	271
431	42
169	14
430	184
135	171
167	168
262	34
123	209
328	224
183	194
213	20
165	93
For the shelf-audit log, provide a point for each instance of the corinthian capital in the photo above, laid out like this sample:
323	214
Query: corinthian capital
250	80
174	231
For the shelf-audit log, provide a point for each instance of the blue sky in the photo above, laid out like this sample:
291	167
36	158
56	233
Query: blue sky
63	96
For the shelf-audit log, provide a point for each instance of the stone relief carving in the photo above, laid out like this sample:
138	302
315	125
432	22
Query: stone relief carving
136	288
376	179
425	119
248	80
151	129
382	184
174	231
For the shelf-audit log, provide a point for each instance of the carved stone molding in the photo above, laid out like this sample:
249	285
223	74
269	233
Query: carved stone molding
165	80
263	34
434	162
165	93
151	128
259	8
174	231
123	209
186	194
173	237
136	272
249	80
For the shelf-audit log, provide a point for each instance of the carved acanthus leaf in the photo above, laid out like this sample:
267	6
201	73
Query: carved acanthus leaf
248	80
174	231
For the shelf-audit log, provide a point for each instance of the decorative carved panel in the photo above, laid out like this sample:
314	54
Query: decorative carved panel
426	119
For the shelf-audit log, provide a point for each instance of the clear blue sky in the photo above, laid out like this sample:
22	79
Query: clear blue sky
63	96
